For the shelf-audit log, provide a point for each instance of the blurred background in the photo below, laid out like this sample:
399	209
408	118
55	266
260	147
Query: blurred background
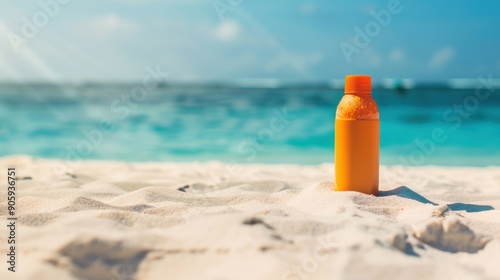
246	81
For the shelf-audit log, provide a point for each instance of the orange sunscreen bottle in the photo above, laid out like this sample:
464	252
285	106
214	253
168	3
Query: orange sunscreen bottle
357	138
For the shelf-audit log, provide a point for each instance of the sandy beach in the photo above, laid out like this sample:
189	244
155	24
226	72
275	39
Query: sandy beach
118	220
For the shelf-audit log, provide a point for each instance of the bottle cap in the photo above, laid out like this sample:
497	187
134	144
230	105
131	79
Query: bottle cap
358	84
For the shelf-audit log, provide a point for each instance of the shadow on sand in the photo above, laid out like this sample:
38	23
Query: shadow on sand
406	192
471	208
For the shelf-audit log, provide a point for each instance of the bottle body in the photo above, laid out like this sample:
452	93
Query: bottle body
357	141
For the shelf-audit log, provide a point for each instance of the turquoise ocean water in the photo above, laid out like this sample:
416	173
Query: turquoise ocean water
421	126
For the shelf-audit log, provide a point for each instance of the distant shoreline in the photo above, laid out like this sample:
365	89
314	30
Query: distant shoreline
335	84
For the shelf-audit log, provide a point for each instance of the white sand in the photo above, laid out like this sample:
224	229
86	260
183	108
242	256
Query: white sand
111	220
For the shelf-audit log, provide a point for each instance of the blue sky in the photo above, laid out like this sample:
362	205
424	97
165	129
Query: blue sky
292	40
